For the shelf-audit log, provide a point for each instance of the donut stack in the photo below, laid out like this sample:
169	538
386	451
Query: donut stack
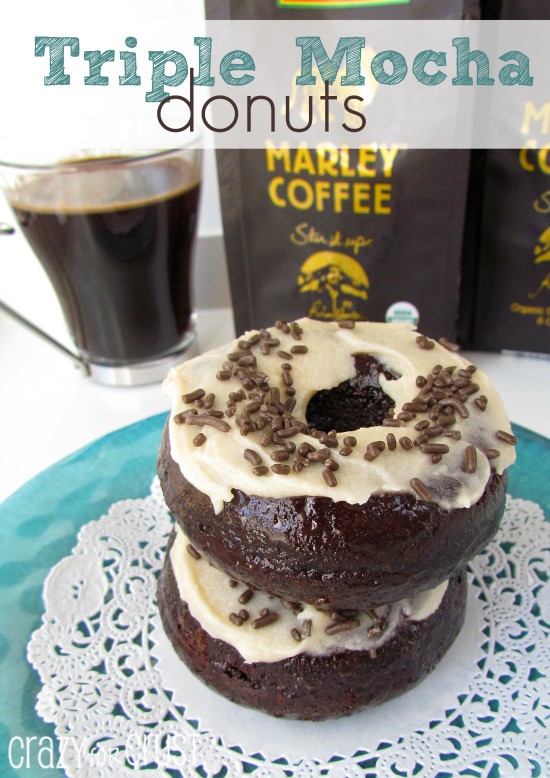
329	482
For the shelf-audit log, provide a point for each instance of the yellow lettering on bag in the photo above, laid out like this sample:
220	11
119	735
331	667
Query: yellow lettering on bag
303	161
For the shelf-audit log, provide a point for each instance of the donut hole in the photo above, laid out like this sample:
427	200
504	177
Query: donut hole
355	403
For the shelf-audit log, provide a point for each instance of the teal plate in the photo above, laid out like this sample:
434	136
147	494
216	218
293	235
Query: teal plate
38	528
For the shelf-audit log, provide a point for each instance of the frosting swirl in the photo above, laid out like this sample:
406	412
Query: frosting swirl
454	420
211	600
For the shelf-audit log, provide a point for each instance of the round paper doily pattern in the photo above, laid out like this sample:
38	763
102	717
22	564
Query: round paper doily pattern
103	690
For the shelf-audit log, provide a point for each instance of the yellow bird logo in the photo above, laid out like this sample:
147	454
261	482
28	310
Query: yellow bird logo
336	283
542	249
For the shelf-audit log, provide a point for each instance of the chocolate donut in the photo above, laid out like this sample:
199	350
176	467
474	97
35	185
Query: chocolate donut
345	465
401	644
317	551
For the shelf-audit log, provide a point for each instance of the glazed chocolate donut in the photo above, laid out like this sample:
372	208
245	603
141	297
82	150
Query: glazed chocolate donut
295	675
317	551
348	465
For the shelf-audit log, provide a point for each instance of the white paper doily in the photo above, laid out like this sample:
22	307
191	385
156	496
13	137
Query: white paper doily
118	702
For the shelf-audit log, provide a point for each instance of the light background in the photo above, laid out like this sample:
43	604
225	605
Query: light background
24	284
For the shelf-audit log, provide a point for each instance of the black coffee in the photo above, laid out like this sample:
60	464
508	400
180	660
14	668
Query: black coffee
121	271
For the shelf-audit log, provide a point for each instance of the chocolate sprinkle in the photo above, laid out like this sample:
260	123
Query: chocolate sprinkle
346	324
267	437
265	620
319	456
434	448
279	455
446	421
180	418
387	422
415	407
330	478
452	402
280	469
435	431
253	407
211	421
193	551
209	401
481	402
391	441
454	434
199	439
425	342
406	415
296	634
506	437
288	432
190	397
342	626
374	449
246	596
470	463
448	345
252	456
423	438
247	427
421	489
406	443
260	470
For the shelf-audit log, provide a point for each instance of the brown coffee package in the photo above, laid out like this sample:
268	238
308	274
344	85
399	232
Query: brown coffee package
511	311
343	233
515	9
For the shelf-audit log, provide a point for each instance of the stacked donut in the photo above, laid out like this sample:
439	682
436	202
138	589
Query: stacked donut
329	482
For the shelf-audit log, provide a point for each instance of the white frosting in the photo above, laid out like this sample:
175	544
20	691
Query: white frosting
218	466
210	600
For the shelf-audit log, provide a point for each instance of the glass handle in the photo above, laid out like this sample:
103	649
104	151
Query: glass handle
79	361
7	229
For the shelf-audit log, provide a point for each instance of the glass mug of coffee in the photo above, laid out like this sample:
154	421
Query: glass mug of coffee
115	233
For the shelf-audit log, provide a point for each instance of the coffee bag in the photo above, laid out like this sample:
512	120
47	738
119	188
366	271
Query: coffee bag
339	232
512	288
